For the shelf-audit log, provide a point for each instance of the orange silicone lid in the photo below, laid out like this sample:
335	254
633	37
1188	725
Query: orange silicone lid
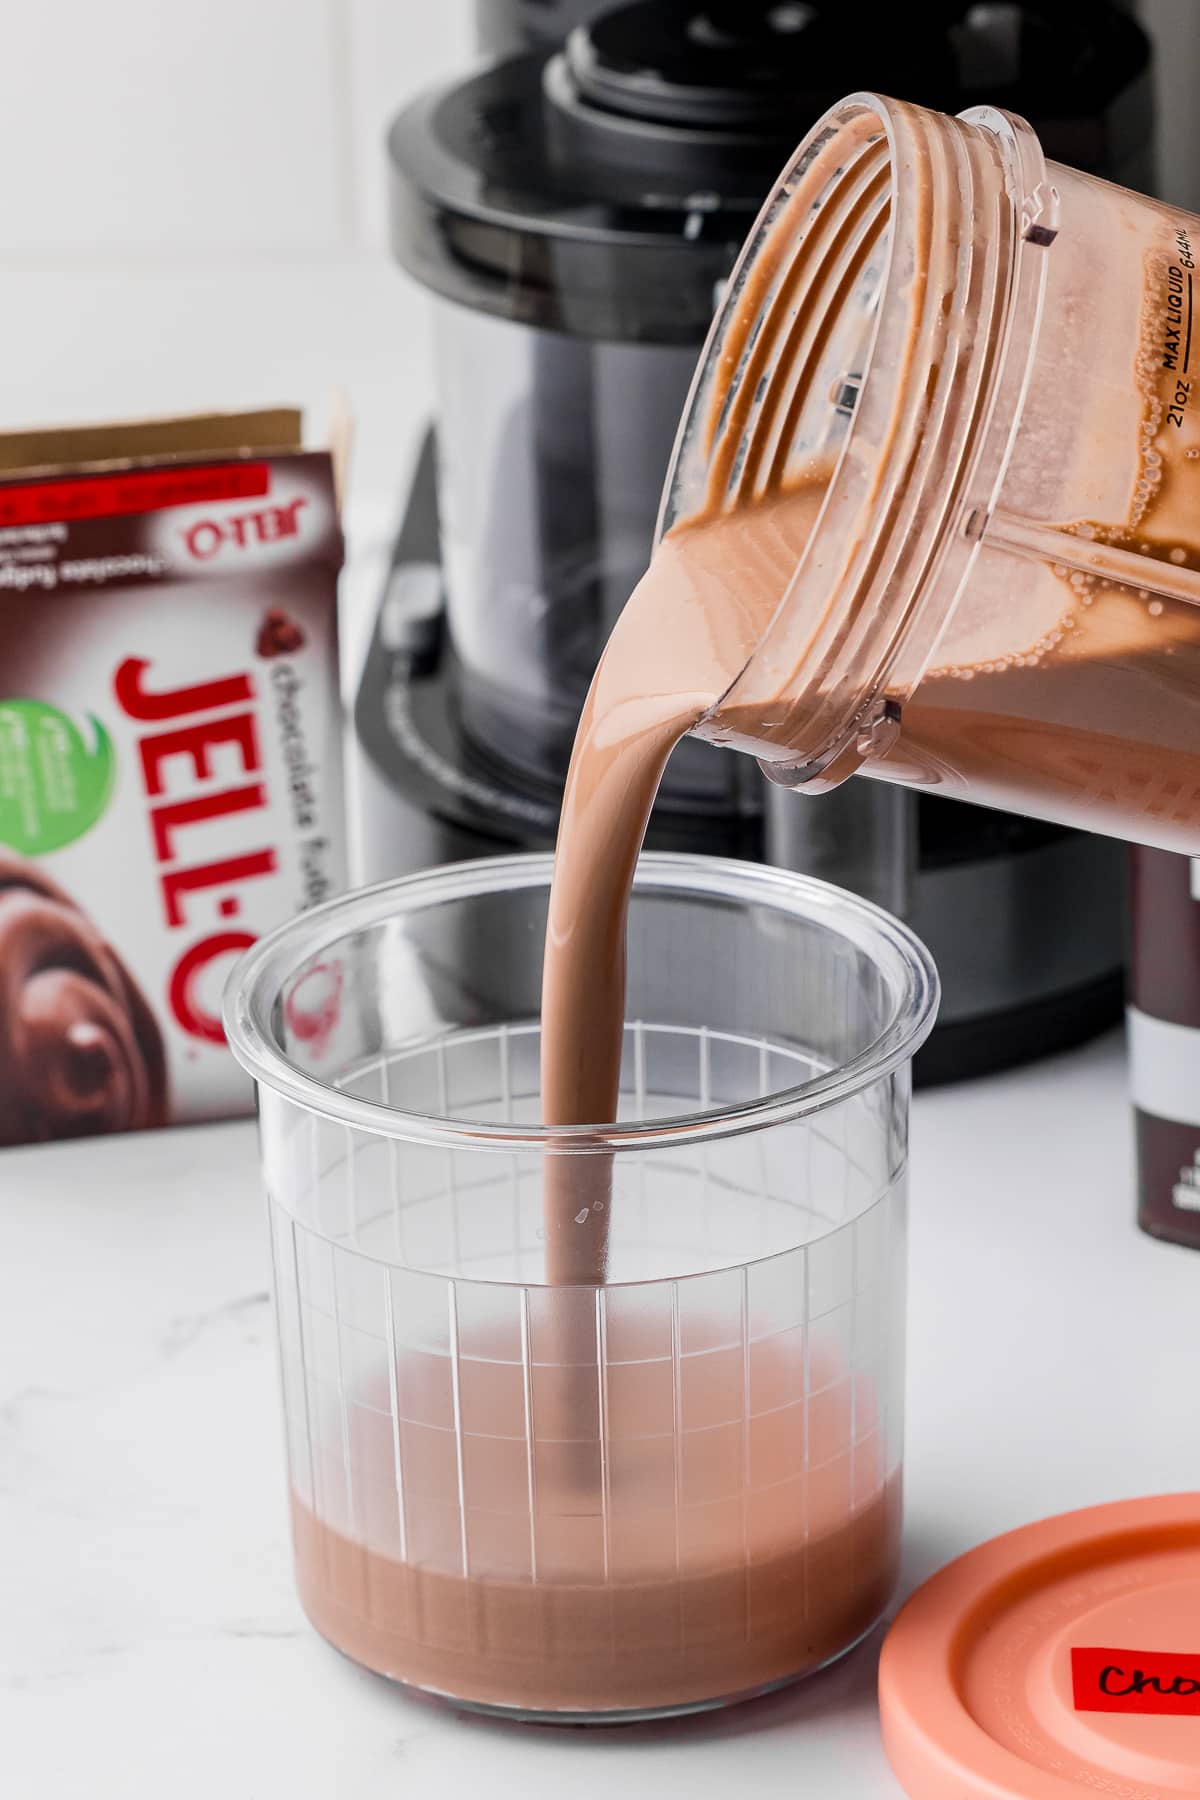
1061	1658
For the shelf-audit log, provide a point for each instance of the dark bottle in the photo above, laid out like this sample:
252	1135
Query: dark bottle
1164	1042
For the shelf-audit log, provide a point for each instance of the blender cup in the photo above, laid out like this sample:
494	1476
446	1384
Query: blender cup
988	364
589	1503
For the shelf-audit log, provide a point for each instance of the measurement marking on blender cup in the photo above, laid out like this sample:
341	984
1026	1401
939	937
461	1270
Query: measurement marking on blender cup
1187	346
1183	246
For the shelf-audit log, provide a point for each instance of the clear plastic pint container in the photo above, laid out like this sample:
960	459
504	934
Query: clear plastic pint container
988	363
662	1493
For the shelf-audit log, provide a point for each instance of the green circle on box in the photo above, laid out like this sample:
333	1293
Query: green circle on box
55	779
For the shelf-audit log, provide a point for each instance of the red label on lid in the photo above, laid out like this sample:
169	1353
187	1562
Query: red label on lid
1136	1681
135	491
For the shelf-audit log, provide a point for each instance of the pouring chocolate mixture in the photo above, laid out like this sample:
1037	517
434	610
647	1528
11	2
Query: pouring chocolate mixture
1072	695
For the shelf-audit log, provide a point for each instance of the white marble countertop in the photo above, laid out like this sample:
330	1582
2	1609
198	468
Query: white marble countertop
150	1641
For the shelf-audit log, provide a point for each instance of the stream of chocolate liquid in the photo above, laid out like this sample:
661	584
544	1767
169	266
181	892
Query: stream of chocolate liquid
686	632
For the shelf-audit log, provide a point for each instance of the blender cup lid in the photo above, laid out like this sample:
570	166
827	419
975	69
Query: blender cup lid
1056	1659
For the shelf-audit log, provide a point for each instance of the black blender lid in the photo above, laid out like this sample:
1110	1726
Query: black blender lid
747	64
498	204
641	117
659	127
739	68
740	71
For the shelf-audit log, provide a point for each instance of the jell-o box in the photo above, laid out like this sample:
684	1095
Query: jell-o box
170	755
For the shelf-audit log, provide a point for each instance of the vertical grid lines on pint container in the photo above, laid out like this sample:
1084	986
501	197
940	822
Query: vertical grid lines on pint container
723	1425
476	1212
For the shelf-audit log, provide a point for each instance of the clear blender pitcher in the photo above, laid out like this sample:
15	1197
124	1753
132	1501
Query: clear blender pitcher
988	361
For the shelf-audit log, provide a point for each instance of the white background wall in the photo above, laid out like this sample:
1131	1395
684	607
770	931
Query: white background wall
192	209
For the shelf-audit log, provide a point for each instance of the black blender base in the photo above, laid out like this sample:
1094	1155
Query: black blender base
963	1050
